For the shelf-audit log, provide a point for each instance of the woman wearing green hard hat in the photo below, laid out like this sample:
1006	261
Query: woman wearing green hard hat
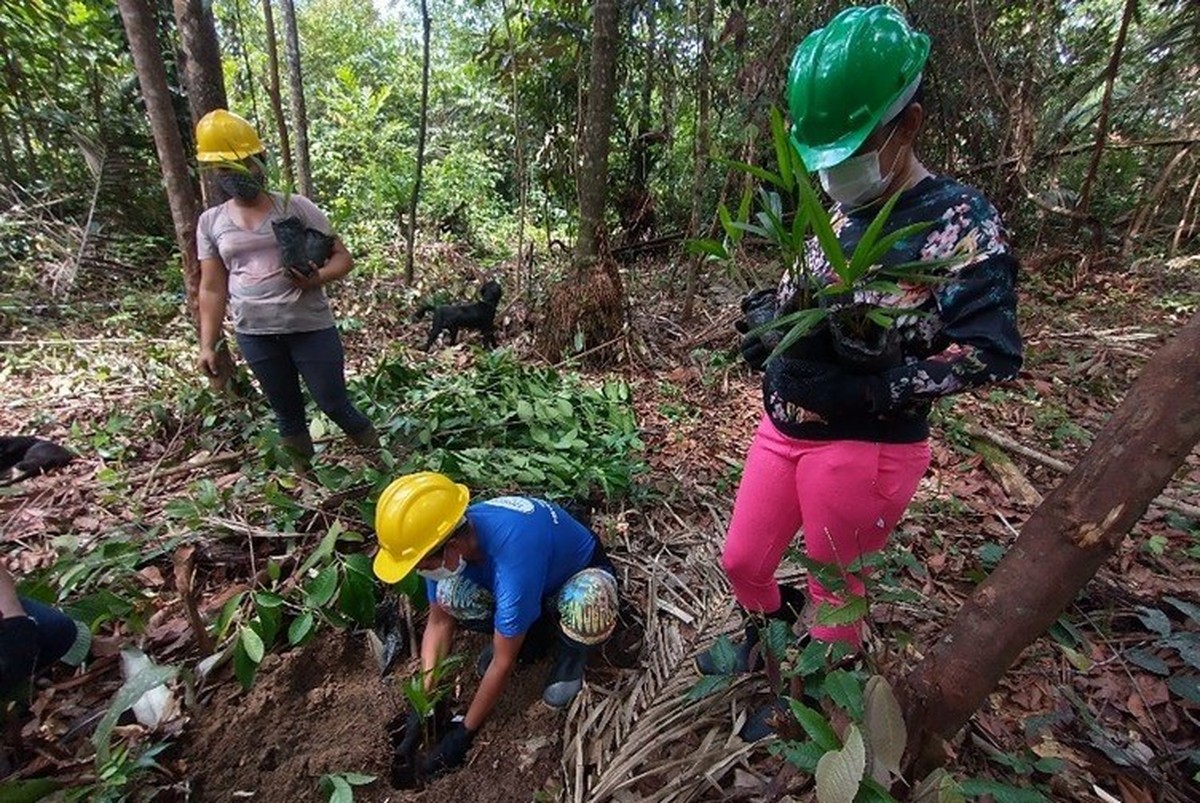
844	439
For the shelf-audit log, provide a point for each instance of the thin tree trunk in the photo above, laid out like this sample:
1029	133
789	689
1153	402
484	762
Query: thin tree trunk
1110	77
202	74
241	35
291	40
140	26
593	172
6	153
703	103
421	129
1079	526
519	154
1183	228
272	87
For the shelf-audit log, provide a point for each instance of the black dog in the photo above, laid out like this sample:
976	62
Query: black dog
23	456
480	316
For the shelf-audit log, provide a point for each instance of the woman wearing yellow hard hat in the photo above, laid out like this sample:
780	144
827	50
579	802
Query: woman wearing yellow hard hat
519	568
281	317
843	442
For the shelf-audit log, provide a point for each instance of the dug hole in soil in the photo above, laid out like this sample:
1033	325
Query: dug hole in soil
324	709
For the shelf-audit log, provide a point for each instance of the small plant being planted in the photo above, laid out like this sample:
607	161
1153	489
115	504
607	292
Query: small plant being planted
427	720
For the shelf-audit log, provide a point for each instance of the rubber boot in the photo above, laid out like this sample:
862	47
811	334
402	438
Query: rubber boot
300	450
367	439
566	676
746	657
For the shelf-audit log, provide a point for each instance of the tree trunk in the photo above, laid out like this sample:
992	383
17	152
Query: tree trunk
291	39
272	87
593	170
519	154
202	74
1110	77
703	103
421	129
1062	545
140	26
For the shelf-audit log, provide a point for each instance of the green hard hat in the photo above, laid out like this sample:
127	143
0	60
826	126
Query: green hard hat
848	77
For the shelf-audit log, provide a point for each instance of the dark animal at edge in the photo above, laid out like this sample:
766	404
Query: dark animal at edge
24	456
480	316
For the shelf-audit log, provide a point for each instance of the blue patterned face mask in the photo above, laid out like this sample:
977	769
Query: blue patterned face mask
859	179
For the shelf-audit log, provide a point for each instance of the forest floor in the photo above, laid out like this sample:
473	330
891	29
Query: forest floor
1104	707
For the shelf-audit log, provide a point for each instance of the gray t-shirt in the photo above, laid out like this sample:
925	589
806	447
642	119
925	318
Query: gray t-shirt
262	299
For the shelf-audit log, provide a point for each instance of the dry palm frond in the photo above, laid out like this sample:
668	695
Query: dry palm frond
644	739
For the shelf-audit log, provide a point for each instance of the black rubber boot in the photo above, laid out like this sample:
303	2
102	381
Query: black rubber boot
566	676
300	450
746	657
367	439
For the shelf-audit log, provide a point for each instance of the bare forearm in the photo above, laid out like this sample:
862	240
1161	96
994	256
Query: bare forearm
488	694
435	644
10	603
212	316
340	263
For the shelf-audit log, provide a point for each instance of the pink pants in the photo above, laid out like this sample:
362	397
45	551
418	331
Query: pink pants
847	495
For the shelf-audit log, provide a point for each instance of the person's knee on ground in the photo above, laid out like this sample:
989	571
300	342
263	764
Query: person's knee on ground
587	607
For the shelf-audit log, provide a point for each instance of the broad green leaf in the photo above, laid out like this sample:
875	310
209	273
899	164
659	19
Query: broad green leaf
342	793
724	655
252	644
244	669
358	778
1001	792
809	320
710	248
709	684
357	597
265	599
149	678
324	549
815	725
852	610
300	627
884	729
27	791
228	610
1187	644
840	772
1155	620
319	590
846	692
1186	686
1148	661
804	755
1189	609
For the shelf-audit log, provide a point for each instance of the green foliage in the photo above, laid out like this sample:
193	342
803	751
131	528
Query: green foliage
505	424
339	786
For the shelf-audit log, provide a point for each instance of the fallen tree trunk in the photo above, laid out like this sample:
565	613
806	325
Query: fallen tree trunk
1062	545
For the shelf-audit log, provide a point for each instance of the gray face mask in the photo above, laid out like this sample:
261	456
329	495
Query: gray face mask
243	186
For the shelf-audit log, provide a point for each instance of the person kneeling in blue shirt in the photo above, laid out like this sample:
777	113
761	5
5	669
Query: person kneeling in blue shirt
511	566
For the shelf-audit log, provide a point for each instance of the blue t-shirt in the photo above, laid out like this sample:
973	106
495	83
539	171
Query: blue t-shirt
530	548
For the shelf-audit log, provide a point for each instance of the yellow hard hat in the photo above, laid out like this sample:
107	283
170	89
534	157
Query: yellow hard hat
414	515
222	136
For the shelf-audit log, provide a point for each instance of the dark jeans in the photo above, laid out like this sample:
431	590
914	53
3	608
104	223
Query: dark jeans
56	631
278	362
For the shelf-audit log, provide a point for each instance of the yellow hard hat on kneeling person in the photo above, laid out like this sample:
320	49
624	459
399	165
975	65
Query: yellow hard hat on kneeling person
222	136
414	516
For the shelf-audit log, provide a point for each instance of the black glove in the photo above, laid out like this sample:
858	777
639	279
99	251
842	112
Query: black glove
758	308
825	388
414	731
18	652
451	751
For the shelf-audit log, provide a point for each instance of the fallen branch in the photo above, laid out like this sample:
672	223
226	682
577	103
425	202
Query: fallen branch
184	468
1004	442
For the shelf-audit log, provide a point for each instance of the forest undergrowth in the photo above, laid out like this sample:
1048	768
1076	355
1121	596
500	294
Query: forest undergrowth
180	537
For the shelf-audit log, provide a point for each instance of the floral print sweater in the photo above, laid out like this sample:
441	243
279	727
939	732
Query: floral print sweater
965	331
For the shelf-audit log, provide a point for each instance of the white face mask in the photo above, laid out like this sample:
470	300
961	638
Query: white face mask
442	573
859	179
